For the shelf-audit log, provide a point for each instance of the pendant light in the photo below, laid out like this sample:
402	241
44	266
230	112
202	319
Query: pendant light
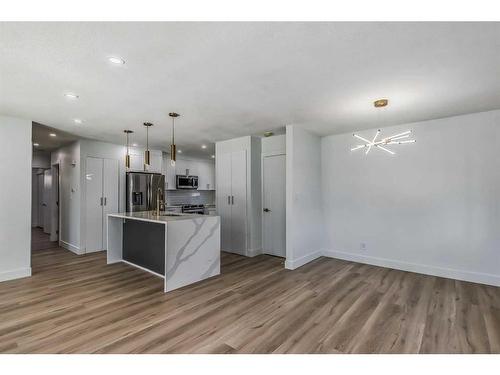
173	152
147	154
127	156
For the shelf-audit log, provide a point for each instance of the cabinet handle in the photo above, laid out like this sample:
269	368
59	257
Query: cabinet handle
105	201
232	199
228	199
101	201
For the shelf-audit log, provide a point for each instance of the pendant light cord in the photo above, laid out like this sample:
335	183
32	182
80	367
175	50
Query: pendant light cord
173	124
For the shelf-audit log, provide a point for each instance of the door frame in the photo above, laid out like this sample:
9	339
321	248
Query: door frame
55	202
265	155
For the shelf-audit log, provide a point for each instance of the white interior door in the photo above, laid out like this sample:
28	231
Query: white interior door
94	204
239	202
110	194
273	218
47	186
224	202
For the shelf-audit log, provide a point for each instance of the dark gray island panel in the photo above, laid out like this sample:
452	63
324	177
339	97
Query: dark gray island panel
144	244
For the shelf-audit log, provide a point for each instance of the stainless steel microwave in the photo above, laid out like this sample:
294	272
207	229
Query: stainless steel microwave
186	182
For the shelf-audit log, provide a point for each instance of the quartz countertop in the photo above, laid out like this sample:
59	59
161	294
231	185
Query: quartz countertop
151	217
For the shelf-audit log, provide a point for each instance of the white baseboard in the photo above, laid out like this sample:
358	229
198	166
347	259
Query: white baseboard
253	252
296	263
475	277
70	247
15	274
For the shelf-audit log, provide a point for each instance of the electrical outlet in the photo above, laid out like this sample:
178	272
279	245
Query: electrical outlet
362	246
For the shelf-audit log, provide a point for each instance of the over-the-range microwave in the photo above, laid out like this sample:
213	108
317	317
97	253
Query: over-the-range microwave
186	182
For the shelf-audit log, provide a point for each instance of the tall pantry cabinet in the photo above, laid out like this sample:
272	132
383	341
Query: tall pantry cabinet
238	194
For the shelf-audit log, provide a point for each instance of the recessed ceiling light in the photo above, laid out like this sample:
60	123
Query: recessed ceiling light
53	134
71	95
213	156
77	121
116	60
179	151
134	144
36	144
203	146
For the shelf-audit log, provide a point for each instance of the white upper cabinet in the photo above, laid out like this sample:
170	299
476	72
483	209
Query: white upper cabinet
156	162
169	172
206	175
137	161
205	170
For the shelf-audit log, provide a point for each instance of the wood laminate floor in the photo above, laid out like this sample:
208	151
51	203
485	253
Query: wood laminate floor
78	304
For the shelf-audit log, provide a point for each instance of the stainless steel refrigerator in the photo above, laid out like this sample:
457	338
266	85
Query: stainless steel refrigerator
143	189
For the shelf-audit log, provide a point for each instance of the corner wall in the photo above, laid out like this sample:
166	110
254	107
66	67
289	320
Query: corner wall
304	214
432	208
15	198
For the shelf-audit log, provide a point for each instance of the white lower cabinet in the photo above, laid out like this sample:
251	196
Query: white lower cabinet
101	192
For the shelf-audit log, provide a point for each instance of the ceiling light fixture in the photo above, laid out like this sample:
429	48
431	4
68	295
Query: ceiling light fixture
179	151
147	154
213	156
134	144
173	156
395	139
71	96
53	134
268	134
77	121
203	146
36	144
381	103
116	60
127	156
391	140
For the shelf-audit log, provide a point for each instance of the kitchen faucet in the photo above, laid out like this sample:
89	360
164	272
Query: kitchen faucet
160	204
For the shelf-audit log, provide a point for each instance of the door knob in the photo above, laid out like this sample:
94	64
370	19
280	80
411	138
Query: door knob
267	210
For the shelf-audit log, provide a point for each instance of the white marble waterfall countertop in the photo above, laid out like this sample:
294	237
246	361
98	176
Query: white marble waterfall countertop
164	217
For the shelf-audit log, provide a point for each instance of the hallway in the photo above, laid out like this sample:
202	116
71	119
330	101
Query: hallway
41	240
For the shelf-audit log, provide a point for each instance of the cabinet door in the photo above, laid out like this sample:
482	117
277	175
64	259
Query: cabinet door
169	173
94	204
136	160
211	176
203	182
239	202
223	200
156	162
181	167
110	194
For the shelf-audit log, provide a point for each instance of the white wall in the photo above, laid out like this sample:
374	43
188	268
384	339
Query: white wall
434	207
73	199
70	195
15	198
304	219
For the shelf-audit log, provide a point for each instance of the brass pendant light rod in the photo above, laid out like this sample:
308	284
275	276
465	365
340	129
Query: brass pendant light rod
127	156
147	154
173	148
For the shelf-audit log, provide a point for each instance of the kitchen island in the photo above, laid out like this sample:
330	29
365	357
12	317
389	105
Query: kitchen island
180	248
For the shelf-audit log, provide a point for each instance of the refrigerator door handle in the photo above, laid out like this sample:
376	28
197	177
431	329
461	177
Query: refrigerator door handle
232	199
101	201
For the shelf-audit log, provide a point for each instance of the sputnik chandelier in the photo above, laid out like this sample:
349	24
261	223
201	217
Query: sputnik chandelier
396	139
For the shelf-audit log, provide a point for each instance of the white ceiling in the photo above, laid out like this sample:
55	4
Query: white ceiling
235	79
